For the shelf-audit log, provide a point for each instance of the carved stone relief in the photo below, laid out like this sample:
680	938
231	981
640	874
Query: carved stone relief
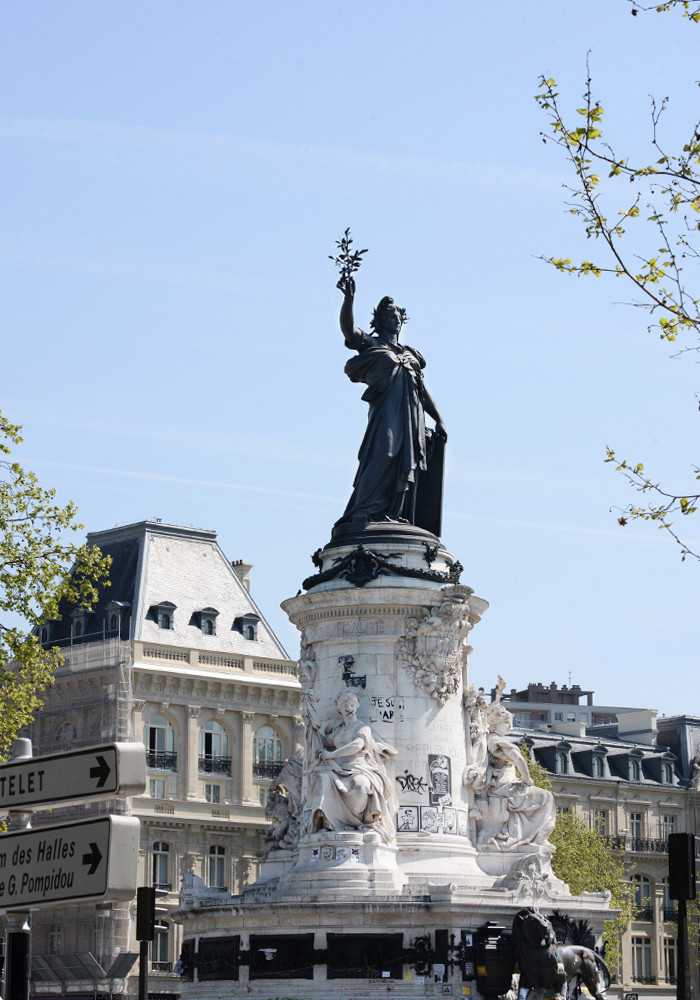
434	648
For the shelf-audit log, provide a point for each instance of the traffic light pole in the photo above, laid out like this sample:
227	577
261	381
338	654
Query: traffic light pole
143	970
684	983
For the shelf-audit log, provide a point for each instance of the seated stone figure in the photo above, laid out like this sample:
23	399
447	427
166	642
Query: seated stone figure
511	813
349	788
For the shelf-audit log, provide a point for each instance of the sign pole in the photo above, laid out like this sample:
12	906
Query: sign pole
18	934
17	955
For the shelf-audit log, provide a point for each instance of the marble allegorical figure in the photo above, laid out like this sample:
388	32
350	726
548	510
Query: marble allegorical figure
395	450
348	784
511	812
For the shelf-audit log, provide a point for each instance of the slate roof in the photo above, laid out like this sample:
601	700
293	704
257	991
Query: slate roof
153	563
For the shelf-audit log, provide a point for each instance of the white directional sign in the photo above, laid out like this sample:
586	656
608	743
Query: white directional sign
90	860
112	771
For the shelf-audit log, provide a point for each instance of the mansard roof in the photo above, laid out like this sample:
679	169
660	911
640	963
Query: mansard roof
156	565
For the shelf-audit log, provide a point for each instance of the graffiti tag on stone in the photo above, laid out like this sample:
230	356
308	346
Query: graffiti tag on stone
411	783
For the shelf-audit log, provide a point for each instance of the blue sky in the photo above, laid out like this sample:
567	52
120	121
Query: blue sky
174	178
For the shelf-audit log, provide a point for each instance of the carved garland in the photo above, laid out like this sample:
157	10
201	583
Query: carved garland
362	565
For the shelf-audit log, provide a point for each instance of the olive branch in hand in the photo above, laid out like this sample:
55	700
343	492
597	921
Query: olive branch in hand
347	261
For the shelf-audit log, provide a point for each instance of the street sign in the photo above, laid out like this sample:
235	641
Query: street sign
90	860
105	772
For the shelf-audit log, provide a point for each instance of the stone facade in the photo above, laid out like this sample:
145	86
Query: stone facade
215	699
635	791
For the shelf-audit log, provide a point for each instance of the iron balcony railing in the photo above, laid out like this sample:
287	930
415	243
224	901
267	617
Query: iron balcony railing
648	845
161	966
211	764
645	913
266	769
162	761
642	845
646	980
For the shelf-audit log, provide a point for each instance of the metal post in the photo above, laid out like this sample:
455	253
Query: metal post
17	955
143	970
683	984
18	935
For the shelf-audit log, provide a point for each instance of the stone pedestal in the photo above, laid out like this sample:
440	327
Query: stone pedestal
384	619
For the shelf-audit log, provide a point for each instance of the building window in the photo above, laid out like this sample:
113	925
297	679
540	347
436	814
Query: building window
213	740
212	793
668	825
669	906
161	865
113	621
562	763
55	939
641	891
77	629
635	770
66	733
670	960
636	825
558	716
571	717
160	743
157	788
666	774
267	753
563	810
597	767
600	821
247	625
44	635
217	867
160	947
641	960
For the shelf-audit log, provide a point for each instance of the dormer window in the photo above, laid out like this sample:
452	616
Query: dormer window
562	763
205	620
597	766
163	614
666	774
117	612
80	617
44	634
247	625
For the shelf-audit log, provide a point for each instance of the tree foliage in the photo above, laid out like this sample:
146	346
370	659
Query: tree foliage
644	219
585	860
38	568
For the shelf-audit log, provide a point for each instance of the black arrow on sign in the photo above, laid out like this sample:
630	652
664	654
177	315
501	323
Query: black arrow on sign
101	772
93	859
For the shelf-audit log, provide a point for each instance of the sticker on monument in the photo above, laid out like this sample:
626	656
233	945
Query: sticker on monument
462	823
429	819
386	706
407	819
355	854
315	855
341	854
439	773
450	815
327	853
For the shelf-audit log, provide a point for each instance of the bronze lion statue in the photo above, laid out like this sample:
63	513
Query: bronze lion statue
545	964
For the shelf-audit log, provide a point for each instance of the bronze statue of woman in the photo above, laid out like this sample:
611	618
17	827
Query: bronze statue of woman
396	448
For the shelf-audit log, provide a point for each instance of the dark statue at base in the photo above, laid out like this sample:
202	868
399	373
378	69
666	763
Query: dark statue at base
400	470
558	969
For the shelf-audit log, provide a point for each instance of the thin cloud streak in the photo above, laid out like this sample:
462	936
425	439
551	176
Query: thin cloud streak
215	154
294	494
183	481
